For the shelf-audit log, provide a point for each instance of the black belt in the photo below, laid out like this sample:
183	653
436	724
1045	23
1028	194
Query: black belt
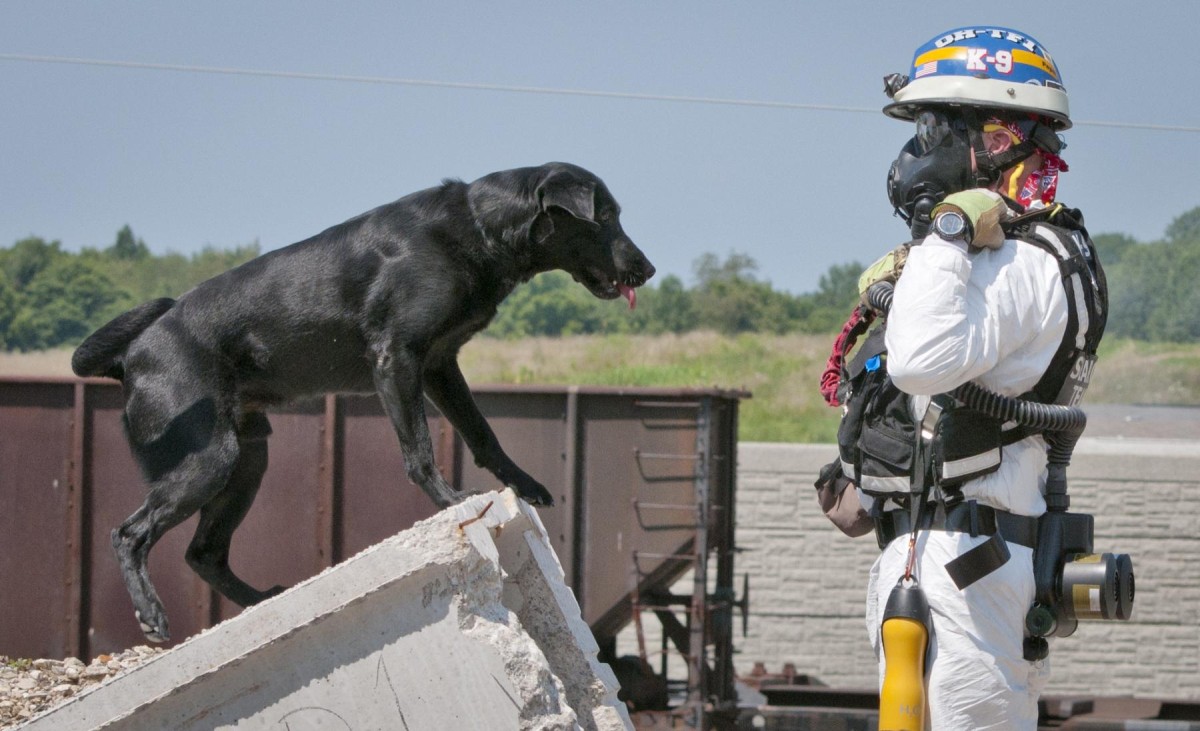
965	517
972	518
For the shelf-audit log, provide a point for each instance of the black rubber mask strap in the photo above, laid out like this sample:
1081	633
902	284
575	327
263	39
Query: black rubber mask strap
999	162
984	174
990	166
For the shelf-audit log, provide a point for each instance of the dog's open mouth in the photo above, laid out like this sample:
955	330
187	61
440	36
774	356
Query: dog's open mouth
628	293
604	288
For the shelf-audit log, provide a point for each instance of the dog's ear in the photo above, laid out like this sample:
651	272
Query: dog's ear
566	191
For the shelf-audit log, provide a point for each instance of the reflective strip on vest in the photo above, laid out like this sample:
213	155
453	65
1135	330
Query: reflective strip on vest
880	484
970	465
1081	312
1051	237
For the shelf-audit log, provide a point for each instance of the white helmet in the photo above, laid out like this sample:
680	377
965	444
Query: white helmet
986	67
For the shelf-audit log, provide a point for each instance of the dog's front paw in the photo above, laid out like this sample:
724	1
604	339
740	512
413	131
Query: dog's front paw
535	494
530	490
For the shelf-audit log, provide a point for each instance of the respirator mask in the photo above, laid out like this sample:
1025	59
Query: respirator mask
933	164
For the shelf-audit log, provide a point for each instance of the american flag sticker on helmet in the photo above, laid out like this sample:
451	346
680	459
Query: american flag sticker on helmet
929	67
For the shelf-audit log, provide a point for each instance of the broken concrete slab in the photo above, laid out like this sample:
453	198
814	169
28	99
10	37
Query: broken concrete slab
461	622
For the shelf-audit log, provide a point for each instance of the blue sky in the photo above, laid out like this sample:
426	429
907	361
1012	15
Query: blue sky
193	159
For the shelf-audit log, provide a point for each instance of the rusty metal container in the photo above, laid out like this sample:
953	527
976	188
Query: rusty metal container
643	479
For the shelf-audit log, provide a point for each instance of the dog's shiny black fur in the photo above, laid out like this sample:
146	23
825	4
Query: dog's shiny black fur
380	303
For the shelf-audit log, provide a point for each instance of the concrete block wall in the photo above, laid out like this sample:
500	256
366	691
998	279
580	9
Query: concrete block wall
807	580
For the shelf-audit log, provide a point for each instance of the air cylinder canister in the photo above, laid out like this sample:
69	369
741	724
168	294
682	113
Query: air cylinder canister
1097	586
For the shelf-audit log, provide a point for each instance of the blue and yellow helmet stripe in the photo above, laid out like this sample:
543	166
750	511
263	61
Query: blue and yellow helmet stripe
984	66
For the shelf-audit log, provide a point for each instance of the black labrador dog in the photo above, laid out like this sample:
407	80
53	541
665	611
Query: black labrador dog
380	303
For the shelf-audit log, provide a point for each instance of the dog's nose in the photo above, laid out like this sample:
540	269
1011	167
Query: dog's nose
630	259
641	262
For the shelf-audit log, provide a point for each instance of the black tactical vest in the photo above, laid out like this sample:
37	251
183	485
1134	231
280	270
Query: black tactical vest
878	437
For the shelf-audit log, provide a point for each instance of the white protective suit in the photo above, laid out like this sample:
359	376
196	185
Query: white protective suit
995	317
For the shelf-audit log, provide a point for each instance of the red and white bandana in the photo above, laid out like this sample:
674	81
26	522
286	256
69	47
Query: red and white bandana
1042	184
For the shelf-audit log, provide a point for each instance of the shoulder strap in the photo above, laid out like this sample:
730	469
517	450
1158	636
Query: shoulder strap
874	345
1061	234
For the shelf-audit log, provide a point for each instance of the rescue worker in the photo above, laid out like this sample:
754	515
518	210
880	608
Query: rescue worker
973	305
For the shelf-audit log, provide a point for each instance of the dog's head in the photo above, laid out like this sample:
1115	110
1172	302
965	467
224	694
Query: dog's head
569	221
578	227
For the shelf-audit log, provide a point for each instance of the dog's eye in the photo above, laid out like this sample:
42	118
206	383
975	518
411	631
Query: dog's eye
606	215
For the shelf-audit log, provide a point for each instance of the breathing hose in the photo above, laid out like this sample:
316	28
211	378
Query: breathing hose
1045	417
879	296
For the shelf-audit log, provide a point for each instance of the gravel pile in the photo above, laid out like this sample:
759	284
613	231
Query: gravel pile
28	687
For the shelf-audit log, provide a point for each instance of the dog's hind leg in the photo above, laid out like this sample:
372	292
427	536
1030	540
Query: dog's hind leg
208	553
187	466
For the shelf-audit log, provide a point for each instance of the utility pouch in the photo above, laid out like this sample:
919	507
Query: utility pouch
839	501
886	447
967	446
877	436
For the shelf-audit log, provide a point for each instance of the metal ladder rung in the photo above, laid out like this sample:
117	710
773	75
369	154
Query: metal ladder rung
690	456
667	404
672	506
661	608
664	455
666	556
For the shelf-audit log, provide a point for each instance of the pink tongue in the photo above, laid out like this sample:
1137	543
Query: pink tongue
629	293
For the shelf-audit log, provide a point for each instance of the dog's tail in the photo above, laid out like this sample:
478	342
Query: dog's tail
100	354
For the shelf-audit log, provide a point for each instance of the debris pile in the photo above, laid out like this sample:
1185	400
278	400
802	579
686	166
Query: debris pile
463	621
28	687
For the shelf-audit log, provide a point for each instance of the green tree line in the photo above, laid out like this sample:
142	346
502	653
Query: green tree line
53	298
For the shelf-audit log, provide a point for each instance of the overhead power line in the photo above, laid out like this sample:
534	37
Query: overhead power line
473	86
395	81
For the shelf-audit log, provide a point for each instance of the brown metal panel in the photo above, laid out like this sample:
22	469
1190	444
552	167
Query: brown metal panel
35	443
622	464
640	468
279	541
378	499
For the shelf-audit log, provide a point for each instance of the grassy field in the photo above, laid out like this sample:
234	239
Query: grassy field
781	371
